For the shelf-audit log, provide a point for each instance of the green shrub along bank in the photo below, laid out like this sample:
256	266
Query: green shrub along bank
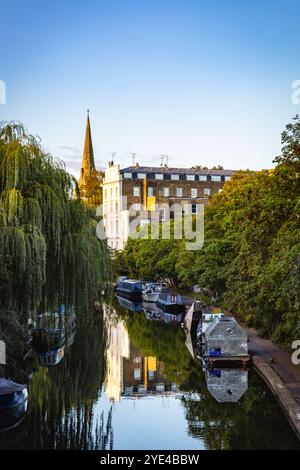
251	256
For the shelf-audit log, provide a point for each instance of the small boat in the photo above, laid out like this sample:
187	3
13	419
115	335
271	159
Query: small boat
151	291
169	302
13	403
130	288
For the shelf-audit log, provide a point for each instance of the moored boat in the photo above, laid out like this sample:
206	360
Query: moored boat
130	287
170	302
13	403
206	320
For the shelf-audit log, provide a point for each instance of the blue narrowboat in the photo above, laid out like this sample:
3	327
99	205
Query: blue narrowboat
130	288
170	302
13	403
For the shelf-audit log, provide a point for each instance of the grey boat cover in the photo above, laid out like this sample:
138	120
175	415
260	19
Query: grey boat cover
7	387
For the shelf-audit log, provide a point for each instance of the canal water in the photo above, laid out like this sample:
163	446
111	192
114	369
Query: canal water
124	381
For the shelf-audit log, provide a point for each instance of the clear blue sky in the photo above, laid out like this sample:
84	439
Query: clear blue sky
207	82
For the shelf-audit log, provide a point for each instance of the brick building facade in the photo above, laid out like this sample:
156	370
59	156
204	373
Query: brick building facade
141	188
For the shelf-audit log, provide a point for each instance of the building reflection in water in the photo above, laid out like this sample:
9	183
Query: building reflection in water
117	349
130	374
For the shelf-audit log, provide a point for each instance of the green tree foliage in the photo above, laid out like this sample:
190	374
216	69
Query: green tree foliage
251	254
49	251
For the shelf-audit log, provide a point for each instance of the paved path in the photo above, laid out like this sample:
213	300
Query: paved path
277	358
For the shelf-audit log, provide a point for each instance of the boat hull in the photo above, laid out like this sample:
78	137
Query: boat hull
12	414
171	308
131	294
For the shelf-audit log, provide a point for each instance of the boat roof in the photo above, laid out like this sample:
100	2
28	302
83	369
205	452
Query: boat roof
8	386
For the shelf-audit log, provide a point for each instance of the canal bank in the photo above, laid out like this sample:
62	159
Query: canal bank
274	365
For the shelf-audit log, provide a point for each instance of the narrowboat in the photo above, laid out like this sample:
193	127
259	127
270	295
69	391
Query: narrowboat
170	302
13	403
206	320
224	342
130	288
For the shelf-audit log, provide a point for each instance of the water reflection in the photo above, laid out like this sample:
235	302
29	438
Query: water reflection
61	398
129	304
129	382
226	385
53	335
151	310
117	348
129	373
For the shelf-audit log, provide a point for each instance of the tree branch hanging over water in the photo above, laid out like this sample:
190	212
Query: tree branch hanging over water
49	251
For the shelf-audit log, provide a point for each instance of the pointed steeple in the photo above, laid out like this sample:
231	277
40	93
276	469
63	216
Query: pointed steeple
88	162
90	179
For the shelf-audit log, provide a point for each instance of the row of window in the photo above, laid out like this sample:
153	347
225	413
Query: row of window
166	192
176	177
110	207
137	375
137	207
186	211
111	192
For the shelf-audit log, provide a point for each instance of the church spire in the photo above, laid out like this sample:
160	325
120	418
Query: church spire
90	179
88	162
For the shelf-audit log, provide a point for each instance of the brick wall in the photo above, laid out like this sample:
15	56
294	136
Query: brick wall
158	185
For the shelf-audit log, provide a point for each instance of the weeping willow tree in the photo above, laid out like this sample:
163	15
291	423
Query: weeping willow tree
49	252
